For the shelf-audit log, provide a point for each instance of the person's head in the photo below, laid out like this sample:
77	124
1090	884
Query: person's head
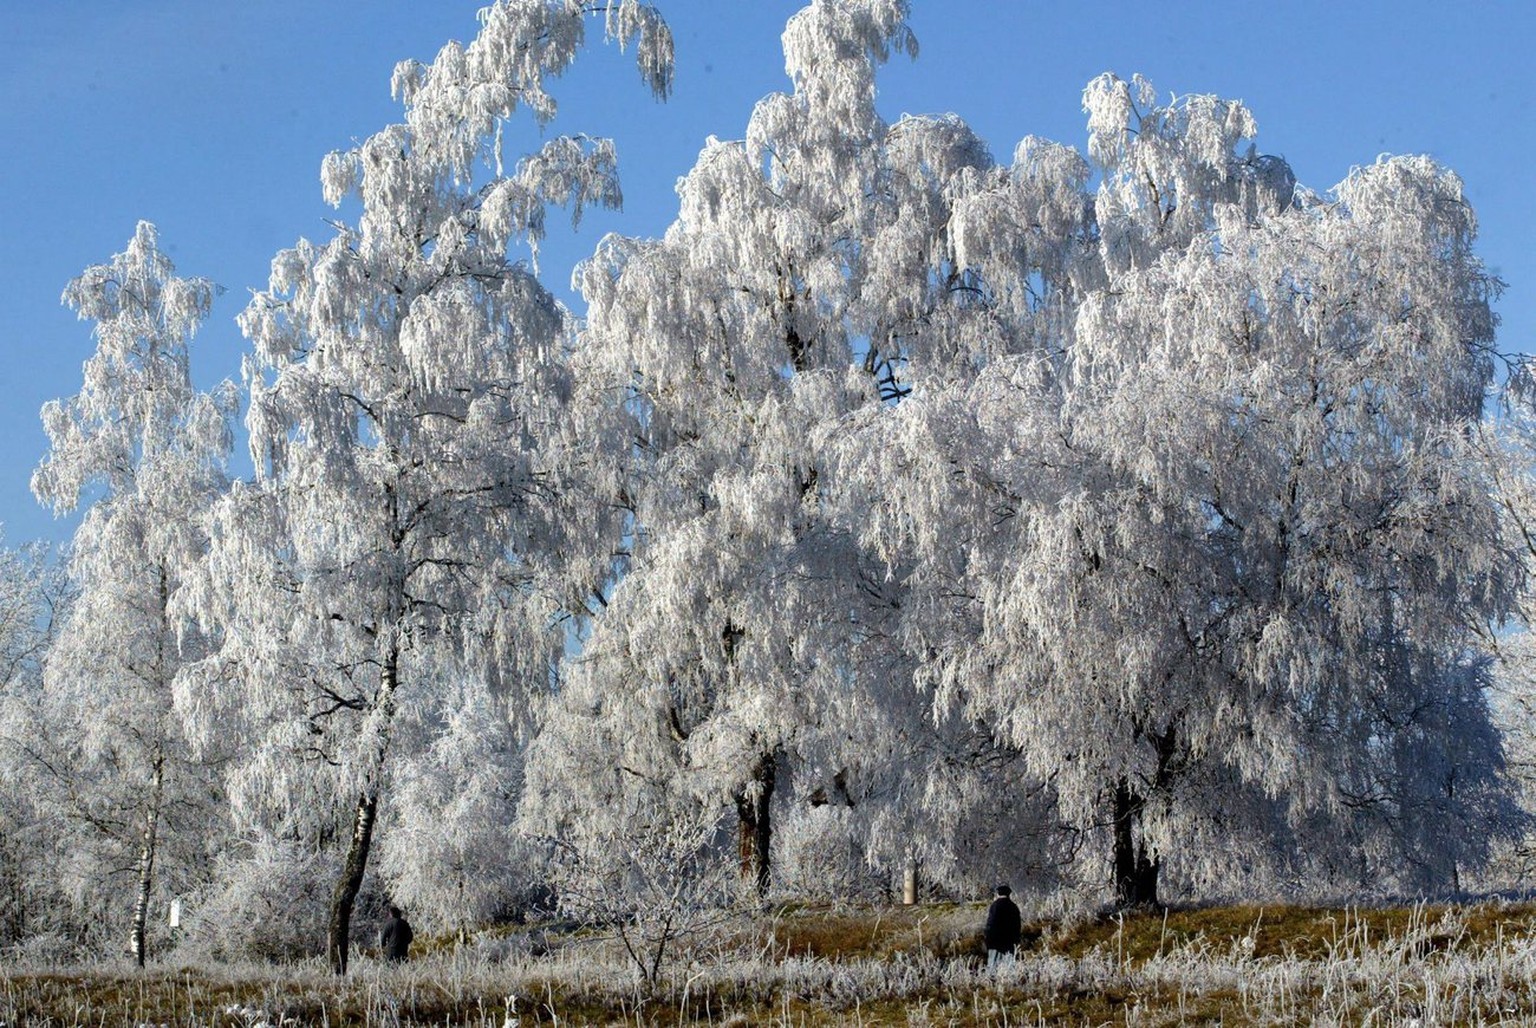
394	911
1003	890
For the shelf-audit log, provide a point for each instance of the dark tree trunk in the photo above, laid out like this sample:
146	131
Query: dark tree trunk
755	833
1135	871
338	934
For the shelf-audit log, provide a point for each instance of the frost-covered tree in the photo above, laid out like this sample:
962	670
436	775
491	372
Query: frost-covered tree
402	393
1222	436
146	453
712	339
759	646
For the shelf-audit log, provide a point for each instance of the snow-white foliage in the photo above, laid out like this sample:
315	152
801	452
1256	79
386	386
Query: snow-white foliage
452	857
1123	508
147	452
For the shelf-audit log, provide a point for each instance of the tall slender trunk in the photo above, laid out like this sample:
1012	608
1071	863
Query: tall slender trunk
149	832
148	841
755	832
339	930
338	935
1135	871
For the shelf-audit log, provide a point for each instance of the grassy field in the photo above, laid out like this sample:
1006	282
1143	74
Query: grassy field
920	965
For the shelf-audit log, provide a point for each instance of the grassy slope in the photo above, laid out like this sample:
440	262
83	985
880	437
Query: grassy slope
902	966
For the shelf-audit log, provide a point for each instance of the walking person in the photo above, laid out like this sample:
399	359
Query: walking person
1003	929
395	938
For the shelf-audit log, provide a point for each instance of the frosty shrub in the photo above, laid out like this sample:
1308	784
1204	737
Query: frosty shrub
269	903
659	882
450	854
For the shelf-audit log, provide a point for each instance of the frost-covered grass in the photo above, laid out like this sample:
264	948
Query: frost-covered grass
919	966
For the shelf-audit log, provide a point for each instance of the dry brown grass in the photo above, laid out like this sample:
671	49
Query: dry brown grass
1306	933
944	930
811	967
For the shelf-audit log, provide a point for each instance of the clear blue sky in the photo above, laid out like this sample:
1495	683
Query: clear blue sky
210	117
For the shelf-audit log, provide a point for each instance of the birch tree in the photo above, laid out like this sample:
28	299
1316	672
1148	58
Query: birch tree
754	643
402	388
147	453
1229	473
720	355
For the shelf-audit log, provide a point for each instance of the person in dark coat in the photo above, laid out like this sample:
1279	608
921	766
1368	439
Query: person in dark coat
395	938
1003	927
